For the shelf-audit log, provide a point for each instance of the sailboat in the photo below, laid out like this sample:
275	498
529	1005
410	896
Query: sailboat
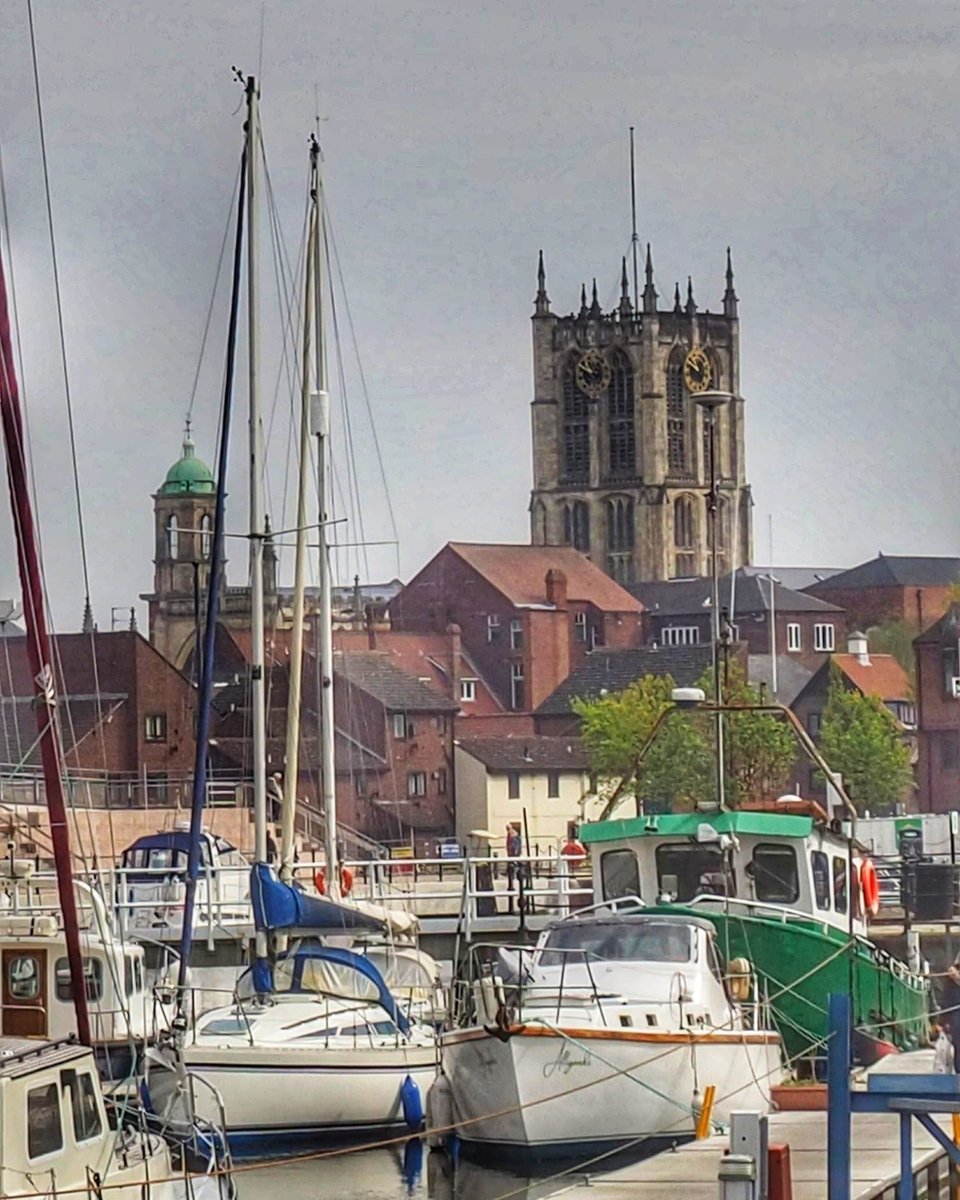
315	1045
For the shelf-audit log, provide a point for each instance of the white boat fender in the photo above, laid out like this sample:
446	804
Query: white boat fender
412	1103
439	1111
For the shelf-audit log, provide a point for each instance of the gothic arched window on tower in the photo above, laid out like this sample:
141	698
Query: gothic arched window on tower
576	526
620	538
576	427
621	432
173	536
684	537
206	535
677	447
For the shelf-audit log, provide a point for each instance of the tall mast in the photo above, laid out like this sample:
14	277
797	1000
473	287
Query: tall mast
41	662
321	430
633	235
292	758
258	695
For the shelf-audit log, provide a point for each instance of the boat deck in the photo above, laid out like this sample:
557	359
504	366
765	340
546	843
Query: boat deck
691	1170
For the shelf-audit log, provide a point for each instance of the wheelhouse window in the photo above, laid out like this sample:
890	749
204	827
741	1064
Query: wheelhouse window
44	1128
23	977
776	879
92	979
79	1086
617	941
619	874
698	871
839	883
821	879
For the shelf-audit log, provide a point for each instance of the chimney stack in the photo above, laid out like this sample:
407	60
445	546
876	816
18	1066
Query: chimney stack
857	645
369	620
556	584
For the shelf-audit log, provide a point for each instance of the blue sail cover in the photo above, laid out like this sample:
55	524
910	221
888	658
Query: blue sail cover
278	906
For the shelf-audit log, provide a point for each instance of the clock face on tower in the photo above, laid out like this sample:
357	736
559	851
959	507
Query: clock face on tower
697	372
593	373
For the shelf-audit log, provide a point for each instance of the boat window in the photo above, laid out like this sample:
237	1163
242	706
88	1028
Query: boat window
775	876
839	884
83	1101
620	874
23	977
44	1131
698	869
227	1027
92	974
821	878
128	984
647	942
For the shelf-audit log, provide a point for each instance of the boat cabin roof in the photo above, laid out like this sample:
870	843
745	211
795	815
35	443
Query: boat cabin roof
177	839
633	918
761	824
22	1056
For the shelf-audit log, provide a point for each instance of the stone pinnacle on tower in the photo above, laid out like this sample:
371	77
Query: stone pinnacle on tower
595	309
541	305
649	291
677	307
730	296
625	306
88	625
691	305
583	299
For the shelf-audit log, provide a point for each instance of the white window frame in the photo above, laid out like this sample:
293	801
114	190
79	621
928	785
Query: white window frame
680	635
493	628
794	637
516	634
580	626
155	727
468	690
416	784
824	638
400	726
516	677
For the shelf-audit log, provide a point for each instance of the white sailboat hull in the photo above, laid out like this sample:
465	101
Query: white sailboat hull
557	1091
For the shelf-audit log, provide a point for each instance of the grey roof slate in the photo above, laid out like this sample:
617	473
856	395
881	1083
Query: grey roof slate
527	753
897	570
614	670
689	597
374	673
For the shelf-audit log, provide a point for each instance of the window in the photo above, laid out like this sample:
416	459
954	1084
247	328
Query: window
576	526
620	430
620	539
576	426
580	626
821	878
516	634
468	690
823	638
697	869
155	727
553	785
23	977
92	977
83	1101
685	537
619	874
513	785
44	1131
676	415
206	535
516	685
416	783
173	537
402	728
794	638
442	725
839	884
442	781
493	628
775	876
680	635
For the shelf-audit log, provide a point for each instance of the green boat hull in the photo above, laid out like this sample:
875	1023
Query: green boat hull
799	962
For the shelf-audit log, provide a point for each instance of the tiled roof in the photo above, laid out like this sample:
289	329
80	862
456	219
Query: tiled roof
687	597
796	578
374	673
519	572
896	570
527	753
792	676
614	670
944	631
882	677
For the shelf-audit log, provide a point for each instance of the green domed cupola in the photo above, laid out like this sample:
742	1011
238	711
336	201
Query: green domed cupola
189	476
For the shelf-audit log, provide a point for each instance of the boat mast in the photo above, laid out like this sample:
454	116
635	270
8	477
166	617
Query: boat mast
41	663
321	430
256	531
292	758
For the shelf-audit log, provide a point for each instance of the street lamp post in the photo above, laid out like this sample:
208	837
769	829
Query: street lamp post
711	402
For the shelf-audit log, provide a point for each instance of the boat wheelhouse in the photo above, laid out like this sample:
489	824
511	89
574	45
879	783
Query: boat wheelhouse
783	887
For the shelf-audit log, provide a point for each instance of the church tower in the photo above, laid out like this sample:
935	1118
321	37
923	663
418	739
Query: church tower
621	450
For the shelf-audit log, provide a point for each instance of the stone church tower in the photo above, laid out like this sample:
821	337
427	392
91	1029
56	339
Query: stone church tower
183	508
621	462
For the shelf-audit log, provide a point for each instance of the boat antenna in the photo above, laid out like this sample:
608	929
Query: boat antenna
634	241
214	588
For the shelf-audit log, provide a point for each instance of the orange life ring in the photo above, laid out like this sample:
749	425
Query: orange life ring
870	887
346	881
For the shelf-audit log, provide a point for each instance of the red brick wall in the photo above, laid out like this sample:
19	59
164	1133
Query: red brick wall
938	715
873	606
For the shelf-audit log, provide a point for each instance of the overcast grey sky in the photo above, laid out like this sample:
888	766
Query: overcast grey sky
817	139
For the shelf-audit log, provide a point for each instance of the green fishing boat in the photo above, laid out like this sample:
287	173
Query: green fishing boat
789	891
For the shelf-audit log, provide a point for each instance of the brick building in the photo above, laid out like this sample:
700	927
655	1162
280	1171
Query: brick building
937	656
528	615
892	587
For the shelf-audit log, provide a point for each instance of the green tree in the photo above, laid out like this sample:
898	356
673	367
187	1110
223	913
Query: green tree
759	748
674	772
860	739
896	638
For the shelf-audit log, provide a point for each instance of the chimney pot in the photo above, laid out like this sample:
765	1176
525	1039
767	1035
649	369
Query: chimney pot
556	588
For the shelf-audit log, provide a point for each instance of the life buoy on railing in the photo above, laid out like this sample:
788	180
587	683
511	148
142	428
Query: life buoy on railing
346	881
869	887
